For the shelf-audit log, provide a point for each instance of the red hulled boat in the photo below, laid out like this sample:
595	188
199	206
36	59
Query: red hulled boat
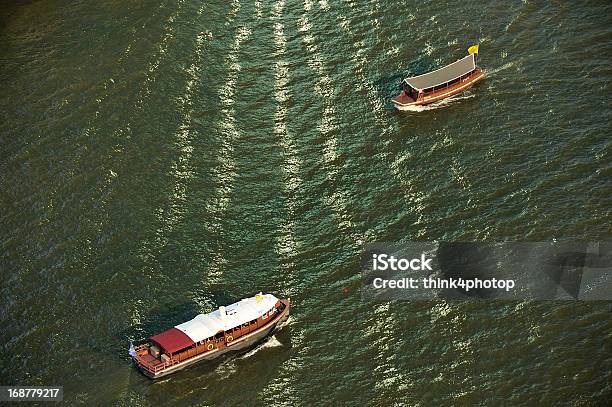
441	83
207	336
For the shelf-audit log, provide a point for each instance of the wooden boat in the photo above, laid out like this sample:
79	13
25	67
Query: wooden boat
208	336
441	83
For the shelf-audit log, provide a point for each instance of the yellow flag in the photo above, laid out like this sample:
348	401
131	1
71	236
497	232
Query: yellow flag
473	49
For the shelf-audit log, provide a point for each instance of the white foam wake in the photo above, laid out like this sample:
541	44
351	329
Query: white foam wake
491	72
438	105
271	342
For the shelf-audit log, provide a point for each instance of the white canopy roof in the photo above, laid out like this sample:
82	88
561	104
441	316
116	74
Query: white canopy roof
443	75
206	325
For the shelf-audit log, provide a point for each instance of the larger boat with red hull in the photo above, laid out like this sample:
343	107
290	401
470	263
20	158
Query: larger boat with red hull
441	83
208	336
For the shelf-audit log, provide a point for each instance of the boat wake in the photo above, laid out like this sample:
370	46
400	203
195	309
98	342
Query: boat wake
491	72
440	104
288	321
271	342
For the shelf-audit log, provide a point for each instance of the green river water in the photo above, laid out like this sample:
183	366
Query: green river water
162	158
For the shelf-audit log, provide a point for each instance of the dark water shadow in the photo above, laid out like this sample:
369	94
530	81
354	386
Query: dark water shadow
10	8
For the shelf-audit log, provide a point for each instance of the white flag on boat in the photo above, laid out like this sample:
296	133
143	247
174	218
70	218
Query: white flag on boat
132	350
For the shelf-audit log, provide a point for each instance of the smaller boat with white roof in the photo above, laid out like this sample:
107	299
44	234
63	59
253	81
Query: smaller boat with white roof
208	336
441	83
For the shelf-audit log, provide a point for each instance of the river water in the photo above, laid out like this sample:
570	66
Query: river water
162	158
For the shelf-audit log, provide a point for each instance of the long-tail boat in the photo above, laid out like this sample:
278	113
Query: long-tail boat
441	83
207	336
